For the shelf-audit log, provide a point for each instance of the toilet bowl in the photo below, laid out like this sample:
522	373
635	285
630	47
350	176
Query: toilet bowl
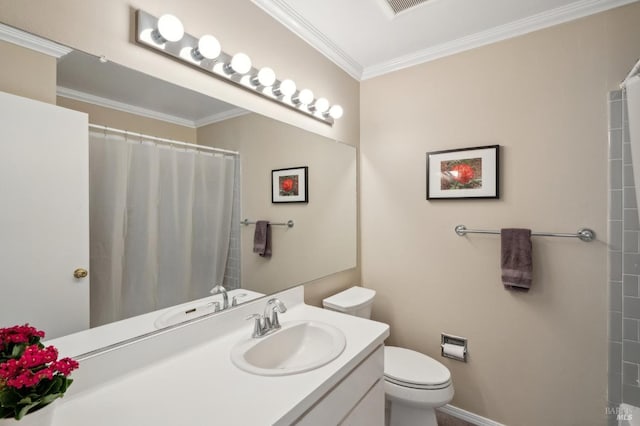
414	384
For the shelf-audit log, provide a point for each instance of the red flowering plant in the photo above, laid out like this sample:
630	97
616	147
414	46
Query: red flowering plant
31	376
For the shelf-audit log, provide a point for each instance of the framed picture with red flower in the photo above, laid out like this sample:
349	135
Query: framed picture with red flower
463	173
290	185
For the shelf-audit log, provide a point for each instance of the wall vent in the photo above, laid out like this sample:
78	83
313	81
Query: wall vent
398	6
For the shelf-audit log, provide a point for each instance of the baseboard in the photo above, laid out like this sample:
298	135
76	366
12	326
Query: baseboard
468	416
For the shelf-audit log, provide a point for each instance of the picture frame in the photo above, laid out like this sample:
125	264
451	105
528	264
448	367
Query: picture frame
464	173
290	185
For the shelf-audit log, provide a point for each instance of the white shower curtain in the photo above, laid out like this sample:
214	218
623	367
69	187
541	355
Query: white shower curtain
160	223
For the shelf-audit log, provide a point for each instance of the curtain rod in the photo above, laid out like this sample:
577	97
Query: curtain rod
163	140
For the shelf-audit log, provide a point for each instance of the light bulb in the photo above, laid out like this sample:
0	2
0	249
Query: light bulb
305	97
169	28
240	63
321	105
286	88
336	112
266	77
208	47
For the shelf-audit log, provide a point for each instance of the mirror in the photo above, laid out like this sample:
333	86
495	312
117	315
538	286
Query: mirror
323	239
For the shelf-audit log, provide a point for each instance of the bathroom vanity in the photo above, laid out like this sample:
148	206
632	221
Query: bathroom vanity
185	375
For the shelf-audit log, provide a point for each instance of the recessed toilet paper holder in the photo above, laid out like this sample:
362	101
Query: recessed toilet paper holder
453	347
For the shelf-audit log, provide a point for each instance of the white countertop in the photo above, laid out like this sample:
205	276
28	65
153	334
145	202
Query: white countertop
85	341
195	383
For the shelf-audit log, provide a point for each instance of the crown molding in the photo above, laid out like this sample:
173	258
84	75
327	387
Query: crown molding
144	112
225	115
284	14
33	42
294	22
120	106
546	19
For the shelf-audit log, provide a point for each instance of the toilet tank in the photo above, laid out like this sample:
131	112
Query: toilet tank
353	301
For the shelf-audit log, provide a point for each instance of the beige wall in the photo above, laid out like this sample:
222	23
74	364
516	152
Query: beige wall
323	239
134	123
537	358
27	73
106	28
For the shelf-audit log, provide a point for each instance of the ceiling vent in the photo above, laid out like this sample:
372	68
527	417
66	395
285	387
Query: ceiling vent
398	6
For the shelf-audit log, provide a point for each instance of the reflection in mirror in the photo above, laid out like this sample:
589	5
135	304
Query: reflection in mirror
174	261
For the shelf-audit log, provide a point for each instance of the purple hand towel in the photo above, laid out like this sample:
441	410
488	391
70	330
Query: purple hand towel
515	259
262	239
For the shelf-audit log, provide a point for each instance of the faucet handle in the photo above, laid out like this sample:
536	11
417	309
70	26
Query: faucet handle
257	325
275	323
234	299
274	305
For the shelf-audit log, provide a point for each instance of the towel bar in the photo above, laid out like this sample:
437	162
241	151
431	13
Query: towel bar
288	224
585	234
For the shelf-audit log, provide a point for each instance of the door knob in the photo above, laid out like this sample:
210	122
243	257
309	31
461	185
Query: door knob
80	273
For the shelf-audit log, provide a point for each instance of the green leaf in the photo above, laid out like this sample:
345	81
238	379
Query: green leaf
26	400
7	412
50	398
9	397
18	350
25	410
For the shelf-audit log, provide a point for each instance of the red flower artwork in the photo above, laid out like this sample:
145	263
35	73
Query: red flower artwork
287	184
463	173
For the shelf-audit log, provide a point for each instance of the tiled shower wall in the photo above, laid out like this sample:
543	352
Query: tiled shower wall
624	262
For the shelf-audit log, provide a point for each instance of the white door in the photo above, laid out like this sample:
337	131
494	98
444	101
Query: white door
44	216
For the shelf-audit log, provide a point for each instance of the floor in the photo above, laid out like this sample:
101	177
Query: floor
447	420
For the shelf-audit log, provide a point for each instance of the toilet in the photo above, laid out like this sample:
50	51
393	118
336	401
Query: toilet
414	384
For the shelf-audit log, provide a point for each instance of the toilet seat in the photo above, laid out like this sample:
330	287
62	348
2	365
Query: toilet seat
411	369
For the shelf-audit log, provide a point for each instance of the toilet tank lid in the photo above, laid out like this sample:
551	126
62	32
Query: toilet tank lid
352	298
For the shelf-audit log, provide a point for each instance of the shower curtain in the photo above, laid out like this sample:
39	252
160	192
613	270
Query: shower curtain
160	223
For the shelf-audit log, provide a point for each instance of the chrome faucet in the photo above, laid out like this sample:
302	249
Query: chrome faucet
265	324
272	322
225	298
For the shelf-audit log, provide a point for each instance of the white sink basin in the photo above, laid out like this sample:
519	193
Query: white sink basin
184	313
297	347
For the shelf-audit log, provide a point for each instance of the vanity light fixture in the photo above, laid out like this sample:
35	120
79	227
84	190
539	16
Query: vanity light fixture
240	64
166	34
169	28
265	77
336	112
208	48
321	105
304	97
286	88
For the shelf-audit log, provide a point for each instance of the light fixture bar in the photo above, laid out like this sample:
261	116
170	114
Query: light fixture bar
235	68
